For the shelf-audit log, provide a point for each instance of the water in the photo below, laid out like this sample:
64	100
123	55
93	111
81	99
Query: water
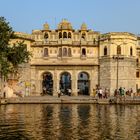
69	122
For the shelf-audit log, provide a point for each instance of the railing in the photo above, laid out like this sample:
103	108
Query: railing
65	42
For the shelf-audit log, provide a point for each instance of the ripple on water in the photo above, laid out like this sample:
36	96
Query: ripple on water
69	122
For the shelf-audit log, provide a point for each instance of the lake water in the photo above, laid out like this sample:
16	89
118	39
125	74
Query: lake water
69	122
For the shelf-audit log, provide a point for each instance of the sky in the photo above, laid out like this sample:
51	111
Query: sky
99	15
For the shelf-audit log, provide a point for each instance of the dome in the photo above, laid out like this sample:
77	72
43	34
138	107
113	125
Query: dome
64	24
83	26
46	26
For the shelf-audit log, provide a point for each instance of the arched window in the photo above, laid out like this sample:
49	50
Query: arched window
69	52
46	36
60	35
60	52
137	74
64	51
137	61
83	52
118	49
83	35
94	41
45	52
69	35
64	35
131	51
105	50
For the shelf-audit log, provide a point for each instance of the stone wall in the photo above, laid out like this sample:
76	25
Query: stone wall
24	82
126	73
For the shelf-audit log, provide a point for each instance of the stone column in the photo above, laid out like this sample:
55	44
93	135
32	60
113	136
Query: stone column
55	83
38	84
91	82
39	88
74	83
58	83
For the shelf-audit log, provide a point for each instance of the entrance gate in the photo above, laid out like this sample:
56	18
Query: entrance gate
83	84
47	84
65	83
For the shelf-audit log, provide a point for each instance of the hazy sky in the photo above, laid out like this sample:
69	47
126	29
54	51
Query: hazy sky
99	15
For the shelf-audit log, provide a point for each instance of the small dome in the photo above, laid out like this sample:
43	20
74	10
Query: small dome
46	26
64	24
83	26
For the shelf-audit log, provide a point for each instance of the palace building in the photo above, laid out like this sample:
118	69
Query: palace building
78	61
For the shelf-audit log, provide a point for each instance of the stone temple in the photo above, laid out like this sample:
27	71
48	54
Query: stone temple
79	60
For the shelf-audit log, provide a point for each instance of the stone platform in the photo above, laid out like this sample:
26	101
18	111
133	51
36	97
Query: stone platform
67	100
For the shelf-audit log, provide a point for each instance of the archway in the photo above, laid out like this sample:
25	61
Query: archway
47	84
65	83
83	83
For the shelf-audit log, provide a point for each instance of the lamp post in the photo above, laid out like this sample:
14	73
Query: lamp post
118	57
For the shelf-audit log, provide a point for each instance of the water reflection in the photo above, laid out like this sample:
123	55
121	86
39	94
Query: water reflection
70	122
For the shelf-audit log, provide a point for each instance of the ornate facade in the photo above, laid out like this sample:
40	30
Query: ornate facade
78	60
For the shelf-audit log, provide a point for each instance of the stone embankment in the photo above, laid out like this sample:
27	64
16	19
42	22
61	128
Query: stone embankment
68	100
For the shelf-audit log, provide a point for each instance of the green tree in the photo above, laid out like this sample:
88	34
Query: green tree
10	56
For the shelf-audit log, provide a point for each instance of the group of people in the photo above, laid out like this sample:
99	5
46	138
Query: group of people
101	93
67	92
122	93
118	93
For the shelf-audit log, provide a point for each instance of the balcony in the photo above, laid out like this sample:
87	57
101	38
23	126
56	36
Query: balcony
84	43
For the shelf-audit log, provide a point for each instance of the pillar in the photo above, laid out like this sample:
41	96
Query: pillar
74	83
55	83
91	82
38	84
37	81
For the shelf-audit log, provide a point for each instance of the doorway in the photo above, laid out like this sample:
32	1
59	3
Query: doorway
47	84
65	83
83	83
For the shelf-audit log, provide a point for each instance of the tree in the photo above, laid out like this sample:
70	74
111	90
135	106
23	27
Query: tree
10	55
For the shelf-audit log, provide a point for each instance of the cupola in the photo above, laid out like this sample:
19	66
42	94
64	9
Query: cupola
46	26
64	24
83	26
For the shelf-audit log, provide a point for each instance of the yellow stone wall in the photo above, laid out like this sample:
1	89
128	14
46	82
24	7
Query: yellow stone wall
112	40
93	43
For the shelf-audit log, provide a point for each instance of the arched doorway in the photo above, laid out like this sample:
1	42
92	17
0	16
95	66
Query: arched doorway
47	83
65	83
83	83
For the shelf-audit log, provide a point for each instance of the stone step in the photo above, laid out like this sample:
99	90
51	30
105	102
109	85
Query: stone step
103	101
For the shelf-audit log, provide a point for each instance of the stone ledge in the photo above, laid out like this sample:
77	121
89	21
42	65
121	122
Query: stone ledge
66	100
